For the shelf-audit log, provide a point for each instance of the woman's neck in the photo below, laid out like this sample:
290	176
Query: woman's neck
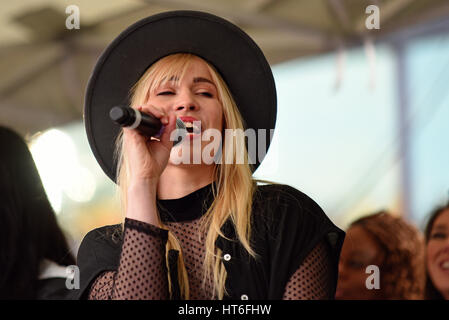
178	181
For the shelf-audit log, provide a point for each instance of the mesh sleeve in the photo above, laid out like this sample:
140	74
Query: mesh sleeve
313	279
101	288
142	273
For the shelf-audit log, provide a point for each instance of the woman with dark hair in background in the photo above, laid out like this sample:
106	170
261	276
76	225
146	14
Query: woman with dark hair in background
33	249
391	244
437	254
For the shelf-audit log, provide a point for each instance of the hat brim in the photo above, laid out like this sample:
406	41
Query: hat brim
231	51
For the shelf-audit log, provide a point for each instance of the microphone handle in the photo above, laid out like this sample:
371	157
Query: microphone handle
147	125
130	118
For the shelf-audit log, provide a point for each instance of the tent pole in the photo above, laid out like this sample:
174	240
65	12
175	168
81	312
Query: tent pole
403	117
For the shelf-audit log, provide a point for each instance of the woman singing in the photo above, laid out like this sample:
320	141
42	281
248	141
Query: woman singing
196	224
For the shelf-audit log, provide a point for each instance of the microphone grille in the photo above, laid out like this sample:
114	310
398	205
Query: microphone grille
181	128
119	114
180	124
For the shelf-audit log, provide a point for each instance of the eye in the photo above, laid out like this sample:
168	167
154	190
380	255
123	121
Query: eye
165	93
206	94
438	235
355	264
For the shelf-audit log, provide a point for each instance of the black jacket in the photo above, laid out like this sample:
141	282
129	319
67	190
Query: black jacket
286	226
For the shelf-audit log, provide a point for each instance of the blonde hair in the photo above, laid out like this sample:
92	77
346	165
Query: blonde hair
234	186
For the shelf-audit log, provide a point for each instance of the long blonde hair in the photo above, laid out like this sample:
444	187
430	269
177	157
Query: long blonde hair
234	186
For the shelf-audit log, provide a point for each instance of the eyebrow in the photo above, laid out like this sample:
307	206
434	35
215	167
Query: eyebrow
195	80
440	227
200	79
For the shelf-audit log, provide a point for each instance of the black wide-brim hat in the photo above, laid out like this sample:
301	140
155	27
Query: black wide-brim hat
230	50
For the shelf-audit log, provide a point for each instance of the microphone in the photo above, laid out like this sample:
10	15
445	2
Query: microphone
147	124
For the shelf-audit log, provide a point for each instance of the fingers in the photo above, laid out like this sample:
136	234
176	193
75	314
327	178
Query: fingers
155	111
168	121
169	128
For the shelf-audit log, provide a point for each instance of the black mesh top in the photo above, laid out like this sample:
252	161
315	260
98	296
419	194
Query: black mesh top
134	266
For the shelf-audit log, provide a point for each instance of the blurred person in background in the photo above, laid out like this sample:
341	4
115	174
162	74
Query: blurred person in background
391	244
437	254
33	249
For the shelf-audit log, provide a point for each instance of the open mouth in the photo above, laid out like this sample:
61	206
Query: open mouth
445	265
189	127
193	126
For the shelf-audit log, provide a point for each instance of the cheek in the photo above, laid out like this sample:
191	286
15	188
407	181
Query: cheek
358	278
216	120
218	116
431	251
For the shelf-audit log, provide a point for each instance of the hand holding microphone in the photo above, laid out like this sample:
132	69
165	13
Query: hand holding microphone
146	157
147	124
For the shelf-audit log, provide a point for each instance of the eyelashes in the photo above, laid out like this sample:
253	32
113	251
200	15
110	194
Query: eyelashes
438	235
168	93
165	93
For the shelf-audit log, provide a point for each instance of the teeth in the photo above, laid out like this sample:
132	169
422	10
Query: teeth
190	125
445	265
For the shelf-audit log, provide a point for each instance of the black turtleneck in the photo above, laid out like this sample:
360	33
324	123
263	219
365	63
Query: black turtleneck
187	208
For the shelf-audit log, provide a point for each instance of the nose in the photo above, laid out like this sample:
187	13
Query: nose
189	107
186	102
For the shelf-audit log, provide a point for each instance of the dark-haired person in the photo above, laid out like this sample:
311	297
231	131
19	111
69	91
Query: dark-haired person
205	229
437	254
33	249
392	245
